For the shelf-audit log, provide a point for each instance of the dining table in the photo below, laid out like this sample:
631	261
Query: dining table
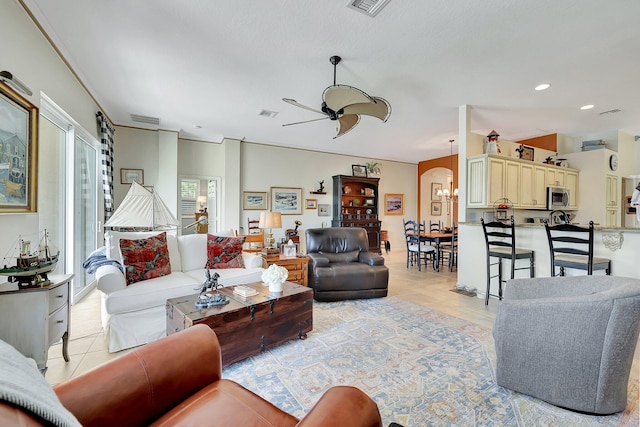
436	237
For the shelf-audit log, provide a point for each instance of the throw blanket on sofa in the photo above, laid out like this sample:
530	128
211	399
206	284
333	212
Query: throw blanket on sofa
24	386
98	258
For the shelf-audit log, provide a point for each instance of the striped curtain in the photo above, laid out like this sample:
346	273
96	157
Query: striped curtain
106	142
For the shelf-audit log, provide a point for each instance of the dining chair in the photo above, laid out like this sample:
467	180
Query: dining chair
417	250
571	246
500	239
449	250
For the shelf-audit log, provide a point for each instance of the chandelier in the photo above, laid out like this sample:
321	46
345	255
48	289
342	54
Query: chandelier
450	195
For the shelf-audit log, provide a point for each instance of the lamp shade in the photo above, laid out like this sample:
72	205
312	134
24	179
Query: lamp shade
270	220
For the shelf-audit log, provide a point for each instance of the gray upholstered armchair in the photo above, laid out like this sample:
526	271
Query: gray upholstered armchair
341	266
569	340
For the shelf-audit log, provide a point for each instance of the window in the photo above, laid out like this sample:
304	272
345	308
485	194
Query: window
189	191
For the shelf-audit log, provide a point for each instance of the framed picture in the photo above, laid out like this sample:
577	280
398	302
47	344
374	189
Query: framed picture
527	153
254	200
311	203
18	152
393	204
290	251
127	176
359	170
435	187
323	209
436	208
286	200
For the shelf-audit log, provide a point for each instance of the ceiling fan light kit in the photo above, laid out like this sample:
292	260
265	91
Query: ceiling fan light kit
345	104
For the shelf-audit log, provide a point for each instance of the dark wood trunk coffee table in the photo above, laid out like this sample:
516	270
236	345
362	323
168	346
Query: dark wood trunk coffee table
247	325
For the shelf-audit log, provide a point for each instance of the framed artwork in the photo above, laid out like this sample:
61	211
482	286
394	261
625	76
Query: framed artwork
323	209
527	153
311	203
127	176
359	170
436	208
393	204
286	200
254	200
18	152
435	187
290	251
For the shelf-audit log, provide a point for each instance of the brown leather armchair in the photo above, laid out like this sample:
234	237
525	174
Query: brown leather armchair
177	381
341	266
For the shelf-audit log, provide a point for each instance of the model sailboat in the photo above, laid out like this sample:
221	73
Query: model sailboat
30	267
142	208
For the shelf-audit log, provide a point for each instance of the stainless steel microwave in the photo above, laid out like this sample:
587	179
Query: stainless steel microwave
558	198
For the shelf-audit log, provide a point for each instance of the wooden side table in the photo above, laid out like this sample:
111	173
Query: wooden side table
33	319
298	267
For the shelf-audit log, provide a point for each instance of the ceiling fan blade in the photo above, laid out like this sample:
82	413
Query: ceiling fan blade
306	121
346	123
339	96
380	109
297	104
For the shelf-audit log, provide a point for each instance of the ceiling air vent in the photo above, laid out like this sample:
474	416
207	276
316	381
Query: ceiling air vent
615	110
145	119
368	7
268	113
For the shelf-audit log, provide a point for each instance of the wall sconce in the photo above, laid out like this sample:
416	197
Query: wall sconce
11	80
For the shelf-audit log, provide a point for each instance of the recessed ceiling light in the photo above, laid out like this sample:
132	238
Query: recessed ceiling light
543	86
587	107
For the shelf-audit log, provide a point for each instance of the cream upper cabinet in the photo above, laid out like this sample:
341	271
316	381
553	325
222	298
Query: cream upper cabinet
533	186
555	177
524	183
612	202
571	181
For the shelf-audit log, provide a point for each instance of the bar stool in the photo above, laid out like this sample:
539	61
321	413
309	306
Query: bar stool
579	253
501	243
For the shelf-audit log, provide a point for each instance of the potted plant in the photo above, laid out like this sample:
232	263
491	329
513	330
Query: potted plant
373	167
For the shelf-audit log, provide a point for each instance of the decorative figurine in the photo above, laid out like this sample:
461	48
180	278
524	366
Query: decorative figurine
206	300
491	143
321	189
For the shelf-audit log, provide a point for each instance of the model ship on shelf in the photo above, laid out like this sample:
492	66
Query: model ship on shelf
30	267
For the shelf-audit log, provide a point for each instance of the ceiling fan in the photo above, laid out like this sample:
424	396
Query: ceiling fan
345	104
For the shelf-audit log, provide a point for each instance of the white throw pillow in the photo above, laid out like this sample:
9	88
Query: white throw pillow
193	251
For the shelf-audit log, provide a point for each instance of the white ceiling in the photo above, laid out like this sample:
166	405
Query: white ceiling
217	64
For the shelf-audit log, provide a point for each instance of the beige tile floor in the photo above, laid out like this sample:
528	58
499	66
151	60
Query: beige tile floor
87	347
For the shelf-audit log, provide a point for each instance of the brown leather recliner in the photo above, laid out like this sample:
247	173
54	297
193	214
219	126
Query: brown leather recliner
177	381
341	266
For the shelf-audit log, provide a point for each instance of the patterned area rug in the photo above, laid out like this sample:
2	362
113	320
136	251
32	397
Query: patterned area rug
420	366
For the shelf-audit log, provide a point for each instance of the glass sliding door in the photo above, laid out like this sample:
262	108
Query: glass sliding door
85	207
68	202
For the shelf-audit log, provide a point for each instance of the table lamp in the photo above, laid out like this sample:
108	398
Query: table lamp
270	220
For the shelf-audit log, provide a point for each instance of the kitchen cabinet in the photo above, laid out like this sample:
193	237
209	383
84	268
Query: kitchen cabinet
533	186
524	183
571	181
612	201
555	177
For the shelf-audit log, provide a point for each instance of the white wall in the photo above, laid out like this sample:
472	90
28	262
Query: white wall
265	166
28	55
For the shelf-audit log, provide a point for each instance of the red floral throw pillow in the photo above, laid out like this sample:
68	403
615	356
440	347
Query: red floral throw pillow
224	252
145	258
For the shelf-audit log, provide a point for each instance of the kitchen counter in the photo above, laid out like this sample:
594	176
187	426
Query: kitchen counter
619	244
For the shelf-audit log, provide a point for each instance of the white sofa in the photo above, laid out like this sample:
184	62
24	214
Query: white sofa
134	315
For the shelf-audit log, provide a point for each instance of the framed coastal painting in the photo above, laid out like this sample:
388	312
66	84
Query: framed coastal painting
359	170
323	209
394	204
286	200
18	153
311	203
254	200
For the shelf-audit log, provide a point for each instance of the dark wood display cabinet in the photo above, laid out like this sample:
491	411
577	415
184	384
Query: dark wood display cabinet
355	204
